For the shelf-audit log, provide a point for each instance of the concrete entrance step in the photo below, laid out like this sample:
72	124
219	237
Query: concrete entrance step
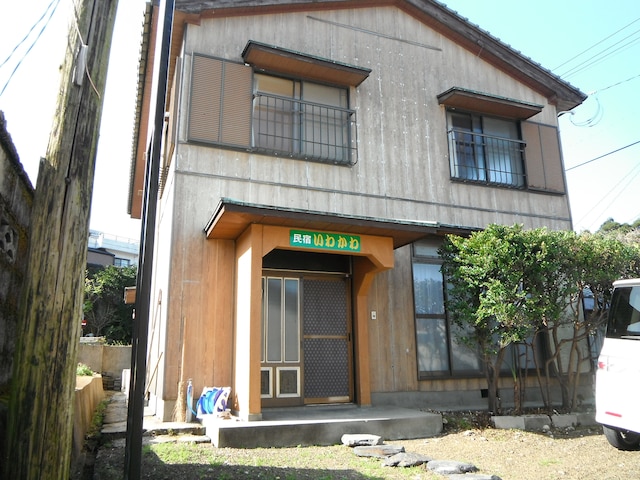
321	425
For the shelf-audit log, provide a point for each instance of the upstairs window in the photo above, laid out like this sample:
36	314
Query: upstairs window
278	102
302	119
485	149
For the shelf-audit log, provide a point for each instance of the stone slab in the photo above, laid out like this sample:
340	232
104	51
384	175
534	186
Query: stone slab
532	423
450	467
378	451
406	459
564	420
361	439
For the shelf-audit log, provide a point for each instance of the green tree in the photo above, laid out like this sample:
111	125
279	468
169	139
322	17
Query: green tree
508	286
589	264
487	296
104	307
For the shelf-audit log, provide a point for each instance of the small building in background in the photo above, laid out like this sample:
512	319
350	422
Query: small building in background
106	249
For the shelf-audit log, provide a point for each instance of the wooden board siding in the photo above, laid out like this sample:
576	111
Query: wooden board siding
195	302
402	173
392	333
403	167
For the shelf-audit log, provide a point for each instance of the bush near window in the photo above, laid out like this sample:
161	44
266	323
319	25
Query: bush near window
506	285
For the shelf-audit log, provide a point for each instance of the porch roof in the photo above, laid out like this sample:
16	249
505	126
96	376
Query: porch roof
231	217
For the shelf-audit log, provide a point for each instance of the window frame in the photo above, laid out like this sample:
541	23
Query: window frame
511	358
298	123
486	150
221	112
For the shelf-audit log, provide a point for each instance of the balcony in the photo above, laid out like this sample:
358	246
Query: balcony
306	130
487	159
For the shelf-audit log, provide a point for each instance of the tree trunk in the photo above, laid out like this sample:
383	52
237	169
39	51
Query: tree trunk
40	420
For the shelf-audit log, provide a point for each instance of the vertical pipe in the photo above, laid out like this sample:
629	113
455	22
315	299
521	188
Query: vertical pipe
135	413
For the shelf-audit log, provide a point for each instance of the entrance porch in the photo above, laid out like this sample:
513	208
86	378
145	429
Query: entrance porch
321	425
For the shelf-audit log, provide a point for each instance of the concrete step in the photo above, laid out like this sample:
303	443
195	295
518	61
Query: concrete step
321	426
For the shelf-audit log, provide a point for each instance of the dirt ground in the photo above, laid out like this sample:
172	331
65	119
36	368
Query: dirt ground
581	453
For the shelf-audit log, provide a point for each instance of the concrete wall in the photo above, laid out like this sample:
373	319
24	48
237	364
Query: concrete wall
16	200
88	395
105	359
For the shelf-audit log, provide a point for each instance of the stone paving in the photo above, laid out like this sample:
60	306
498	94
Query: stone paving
395	456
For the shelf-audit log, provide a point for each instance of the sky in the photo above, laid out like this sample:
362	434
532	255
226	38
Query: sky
592	44
30	96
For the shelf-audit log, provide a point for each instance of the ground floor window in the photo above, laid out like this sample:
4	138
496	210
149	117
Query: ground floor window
441	352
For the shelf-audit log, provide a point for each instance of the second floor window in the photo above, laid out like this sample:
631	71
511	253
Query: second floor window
302	119
485	149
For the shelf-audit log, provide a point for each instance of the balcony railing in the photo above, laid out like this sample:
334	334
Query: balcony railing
477	157
300	129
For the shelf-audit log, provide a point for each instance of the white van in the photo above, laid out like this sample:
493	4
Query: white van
618	373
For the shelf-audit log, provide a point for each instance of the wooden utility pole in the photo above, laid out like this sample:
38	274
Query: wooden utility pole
40	420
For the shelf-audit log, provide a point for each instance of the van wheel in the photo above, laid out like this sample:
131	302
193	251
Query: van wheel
622	439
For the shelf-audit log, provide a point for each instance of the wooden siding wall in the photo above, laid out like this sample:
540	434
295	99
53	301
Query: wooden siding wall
201	287
402	173
403	162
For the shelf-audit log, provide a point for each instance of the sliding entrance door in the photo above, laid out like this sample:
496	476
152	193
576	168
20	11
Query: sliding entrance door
306	341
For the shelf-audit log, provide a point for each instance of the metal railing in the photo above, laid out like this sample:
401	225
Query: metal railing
308	130
476	157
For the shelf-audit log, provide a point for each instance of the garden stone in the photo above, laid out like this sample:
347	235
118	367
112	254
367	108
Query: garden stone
406	460
472	476
378	451
355	440
449	467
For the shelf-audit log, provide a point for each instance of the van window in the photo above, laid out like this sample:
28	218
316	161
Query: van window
624	320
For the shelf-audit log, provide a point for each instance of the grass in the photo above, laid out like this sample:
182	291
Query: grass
83	370
268	463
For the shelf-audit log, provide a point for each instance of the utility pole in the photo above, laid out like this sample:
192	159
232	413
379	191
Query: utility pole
40	420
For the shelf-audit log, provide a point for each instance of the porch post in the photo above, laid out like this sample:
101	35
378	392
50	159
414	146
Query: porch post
248	324
363	274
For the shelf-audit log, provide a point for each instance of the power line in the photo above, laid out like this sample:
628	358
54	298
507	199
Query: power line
615	84
596	44
602	156
27	35
629	180
601	55
49	7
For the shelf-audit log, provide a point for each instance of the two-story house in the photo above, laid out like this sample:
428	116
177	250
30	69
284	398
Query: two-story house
315	154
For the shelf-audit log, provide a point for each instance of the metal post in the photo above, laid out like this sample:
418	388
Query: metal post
135	412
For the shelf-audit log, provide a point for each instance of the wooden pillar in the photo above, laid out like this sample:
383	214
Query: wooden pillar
40	425
248	335
363	274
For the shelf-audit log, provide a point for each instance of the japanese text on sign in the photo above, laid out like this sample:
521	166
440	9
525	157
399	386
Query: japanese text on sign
325	241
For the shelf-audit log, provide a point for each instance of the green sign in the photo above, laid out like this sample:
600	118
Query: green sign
324	241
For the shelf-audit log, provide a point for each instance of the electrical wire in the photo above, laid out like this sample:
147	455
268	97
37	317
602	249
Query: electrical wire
28	33
625	177
603	55
602	156
593	120
53	10
616	84
596	44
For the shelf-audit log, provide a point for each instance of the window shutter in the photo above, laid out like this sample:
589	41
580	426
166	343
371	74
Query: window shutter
220	108
237	105
542	157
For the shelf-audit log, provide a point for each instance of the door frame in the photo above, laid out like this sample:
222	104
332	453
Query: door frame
273	369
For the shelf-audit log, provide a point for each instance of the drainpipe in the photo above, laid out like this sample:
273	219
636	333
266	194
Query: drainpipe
135	412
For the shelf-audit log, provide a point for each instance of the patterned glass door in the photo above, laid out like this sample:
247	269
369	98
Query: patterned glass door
326	341
280	367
